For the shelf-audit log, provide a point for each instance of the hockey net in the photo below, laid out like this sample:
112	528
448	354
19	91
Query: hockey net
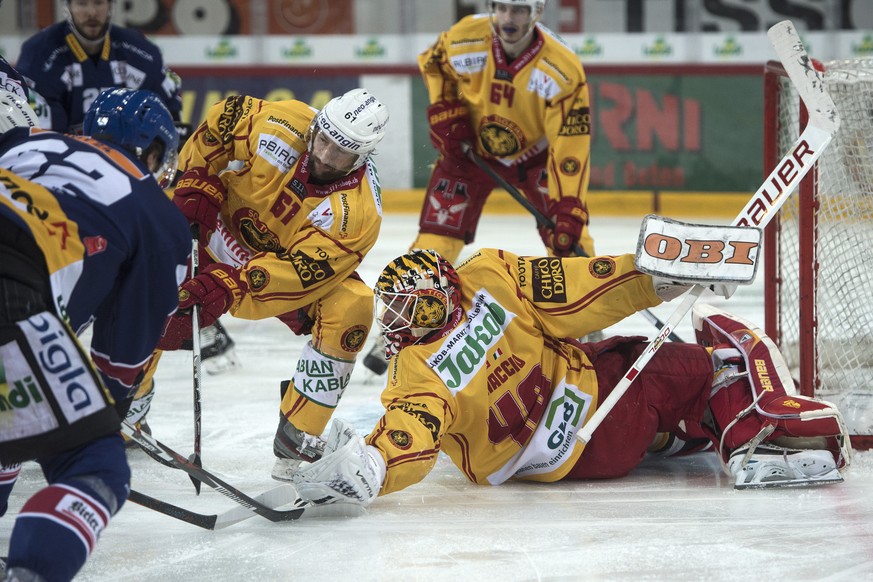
819	249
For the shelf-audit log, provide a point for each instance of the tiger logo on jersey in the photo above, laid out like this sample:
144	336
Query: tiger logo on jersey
501	137
255	233
258	278
233	111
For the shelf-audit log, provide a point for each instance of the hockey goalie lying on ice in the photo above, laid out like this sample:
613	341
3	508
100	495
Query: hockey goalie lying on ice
481	368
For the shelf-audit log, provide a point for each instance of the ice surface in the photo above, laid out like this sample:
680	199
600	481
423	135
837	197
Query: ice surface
669	520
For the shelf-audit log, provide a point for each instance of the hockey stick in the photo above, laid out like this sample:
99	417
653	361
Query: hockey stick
544	221
824	121
167	456
275	497
195	352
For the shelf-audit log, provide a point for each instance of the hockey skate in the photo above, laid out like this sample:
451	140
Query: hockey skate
375	359
768	466
292	447
218	355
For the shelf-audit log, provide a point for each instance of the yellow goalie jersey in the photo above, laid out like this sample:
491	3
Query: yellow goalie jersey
502	394
537	102
293	240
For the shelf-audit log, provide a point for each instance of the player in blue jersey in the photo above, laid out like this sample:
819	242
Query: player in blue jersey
88	238
10	79
69	63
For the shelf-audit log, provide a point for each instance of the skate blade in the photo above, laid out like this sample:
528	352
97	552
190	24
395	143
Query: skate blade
828	479
222	363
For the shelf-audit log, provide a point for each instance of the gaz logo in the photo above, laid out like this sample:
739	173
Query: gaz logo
564	413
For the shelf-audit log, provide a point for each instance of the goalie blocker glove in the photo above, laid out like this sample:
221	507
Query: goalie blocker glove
349	472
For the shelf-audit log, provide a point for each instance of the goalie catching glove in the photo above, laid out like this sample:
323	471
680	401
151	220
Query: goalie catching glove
217	290
349	472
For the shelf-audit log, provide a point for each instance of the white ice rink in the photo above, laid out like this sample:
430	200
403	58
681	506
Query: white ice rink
670	520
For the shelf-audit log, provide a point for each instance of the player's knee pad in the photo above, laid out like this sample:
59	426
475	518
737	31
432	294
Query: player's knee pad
753	398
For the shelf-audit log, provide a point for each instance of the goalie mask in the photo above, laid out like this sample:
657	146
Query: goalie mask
418	296
138	122
344	134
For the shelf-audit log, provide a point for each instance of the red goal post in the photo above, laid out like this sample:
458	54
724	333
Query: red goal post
818	251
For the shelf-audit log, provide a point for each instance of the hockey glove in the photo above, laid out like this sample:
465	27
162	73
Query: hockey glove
449	128
569	218
199	196
218	289
349	472
668	290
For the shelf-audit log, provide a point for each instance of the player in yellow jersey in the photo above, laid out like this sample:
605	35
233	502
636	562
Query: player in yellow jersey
505	84
483	368
288	203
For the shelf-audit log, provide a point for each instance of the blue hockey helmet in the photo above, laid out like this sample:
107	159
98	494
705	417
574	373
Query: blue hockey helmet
138	122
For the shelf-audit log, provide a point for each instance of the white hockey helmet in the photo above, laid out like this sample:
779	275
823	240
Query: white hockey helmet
354	121
536	6
15	112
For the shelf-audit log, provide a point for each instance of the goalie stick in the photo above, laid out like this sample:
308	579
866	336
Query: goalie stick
544	221
167	456
824	121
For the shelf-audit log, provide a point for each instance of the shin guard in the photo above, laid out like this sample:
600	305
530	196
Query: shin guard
316	389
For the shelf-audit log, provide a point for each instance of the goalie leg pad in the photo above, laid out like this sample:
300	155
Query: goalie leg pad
753	396
349	472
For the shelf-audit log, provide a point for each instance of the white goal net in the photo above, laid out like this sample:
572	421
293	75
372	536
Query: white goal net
819	253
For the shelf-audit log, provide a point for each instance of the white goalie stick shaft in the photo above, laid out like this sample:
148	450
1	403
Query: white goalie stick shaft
824	121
